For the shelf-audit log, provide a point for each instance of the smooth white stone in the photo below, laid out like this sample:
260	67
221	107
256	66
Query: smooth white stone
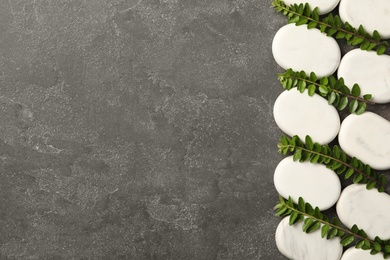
317	184
324	6
369	70
299	48
299	114
372	14
367	137
359	254
295	244
368	209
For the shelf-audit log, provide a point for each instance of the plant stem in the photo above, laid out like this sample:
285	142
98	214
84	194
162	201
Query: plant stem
335	90
345	230
286	8
334	159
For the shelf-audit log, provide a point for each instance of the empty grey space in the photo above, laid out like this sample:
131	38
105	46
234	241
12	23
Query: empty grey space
138	129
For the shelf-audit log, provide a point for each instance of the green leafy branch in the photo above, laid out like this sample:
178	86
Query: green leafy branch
334	159
314	220
331	25
334	90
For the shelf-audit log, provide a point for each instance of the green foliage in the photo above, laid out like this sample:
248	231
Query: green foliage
334	159
313	219
332	25
334	90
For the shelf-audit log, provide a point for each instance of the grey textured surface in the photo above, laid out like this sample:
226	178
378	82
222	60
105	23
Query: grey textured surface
137	129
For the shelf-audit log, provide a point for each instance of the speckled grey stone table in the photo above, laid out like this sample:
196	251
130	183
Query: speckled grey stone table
138	129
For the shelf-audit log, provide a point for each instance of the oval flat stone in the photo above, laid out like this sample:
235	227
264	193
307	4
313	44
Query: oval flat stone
324	6
368	209
372	14
299	48
367	137
359	254
317	184
293	243
370	71
299	114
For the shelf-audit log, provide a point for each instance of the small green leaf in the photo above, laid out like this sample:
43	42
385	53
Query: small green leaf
382	179
289	83
301	205
340	35
355	90
315	15
315	158
354	229
323	90
324	81
367	96
354	162
377	246
361	30
331	31
359	244
307	10
293	217
345	90
365	45
309	209
381	49
347	240
302	86
301	21
284	140
322	28
317	213
294	19
349	173
324	230
336	152
361	108
370	184
332	98
376	36
343	103
373	252
311	89
297	155
317	147
357	178
306	224
356	40
313	77
280	211
353	106
332	233
301	8
311	25
313	227
309	142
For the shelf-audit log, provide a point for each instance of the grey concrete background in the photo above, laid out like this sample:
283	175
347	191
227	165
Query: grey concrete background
138	129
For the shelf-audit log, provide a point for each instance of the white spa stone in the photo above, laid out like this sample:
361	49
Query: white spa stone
367	137
324	6
372	14
317	184
297	245
369	70
368	209
298	48
299	114
359	254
